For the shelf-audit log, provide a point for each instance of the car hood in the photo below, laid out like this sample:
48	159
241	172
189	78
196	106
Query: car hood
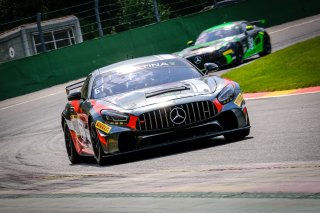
206	47
160	94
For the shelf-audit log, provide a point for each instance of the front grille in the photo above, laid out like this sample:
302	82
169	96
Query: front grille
214	57
160	119
205	58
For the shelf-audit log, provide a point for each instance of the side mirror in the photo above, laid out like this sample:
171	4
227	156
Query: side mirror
74	96
190	43
249	27
210	67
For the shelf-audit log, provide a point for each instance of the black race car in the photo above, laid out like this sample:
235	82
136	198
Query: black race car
148	102
228	43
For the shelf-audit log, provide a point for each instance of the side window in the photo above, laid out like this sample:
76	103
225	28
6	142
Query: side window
243	27
84	88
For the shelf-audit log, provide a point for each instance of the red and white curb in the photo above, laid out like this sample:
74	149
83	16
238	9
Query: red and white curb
260	95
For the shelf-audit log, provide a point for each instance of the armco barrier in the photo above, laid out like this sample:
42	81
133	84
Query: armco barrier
51	68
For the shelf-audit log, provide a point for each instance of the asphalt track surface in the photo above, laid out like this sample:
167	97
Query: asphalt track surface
275	169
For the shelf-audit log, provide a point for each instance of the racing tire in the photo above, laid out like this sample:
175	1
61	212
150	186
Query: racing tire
73	155
239	54
267	48
96	146
237	135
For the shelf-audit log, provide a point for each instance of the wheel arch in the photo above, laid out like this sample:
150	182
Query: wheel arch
238	43
90	119
63	121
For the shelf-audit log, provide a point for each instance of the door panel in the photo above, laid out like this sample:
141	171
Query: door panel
254	43
79	122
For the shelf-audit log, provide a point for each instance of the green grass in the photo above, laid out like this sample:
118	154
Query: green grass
297	66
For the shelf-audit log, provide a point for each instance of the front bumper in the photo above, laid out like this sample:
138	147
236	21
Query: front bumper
128	140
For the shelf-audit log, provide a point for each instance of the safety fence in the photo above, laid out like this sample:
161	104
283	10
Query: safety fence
47	69
49	28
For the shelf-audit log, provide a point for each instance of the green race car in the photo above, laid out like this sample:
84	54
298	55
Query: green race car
228	43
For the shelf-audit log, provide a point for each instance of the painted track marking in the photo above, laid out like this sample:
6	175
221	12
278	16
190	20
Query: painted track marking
296	25
24	102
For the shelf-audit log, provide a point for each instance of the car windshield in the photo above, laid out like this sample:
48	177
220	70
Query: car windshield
214	35
130	78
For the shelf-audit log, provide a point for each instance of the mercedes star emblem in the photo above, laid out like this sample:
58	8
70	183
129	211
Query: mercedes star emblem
177	115
197	60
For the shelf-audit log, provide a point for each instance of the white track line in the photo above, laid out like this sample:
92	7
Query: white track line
296	25
31	134
7	107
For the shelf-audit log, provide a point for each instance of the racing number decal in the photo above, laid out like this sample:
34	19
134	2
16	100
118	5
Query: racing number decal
239	100
250	43
103	127
98	90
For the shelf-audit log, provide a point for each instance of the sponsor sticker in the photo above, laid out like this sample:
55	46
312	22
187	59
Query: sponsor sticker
98	90
73	117
239	100
154	65
103	127
228	52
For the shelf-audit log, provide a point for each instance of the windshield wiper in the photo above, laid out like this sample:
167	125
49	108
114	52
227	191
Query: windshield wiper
163	91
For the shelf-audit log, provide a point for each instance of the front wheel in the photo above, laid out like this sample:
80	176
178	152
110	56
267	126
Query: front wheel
73	155
96	145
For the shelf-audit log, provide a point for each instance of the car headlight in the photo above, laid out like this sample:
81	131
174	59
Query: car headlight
115	117
227	94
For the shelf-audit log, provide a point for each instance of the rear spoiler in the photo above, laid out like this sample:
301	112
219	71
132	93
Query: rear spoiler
74	86
262	21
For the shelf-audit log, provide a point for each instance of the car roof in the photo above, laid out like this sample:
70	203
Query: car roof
135	61
227	24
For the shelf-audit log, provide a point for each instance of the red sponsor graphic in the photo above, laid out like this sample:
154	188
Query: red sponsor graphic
132	122
218	105
83	117
77	144
75	141
76	106
98	106
102	139
245	112
228	81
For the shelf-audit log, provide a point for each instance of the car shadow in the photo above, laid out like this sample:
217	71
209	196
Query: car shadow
227	68
163	151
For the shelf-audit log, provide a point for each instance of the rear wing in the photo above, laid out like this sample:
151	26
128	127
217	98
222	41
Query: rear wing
262	21
74	86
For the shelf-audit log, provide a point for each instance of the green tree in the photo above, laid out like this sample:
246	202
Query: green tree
116	15
136	13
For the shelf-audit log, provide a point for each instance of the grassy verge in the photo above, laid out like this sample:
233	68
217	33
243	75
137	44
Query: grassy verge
297	66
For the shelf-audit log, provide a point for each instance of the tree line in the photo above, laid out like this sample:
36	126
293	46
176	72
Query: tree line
115	15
